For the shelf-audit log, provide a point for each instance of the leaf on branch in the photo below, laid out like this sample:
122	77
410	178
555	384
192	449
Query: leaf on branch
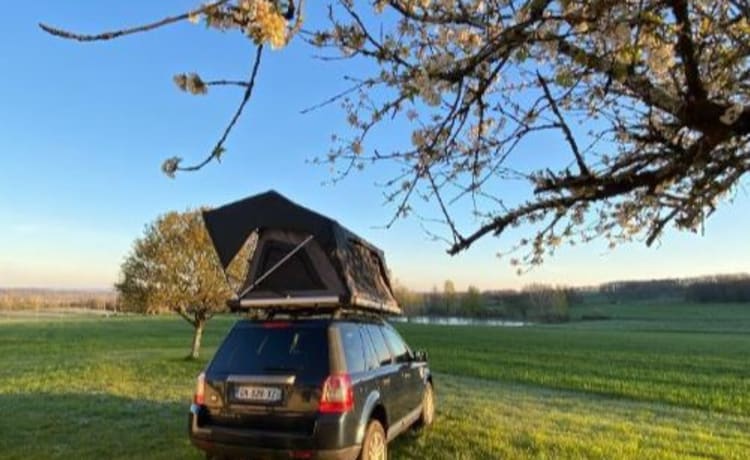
218	152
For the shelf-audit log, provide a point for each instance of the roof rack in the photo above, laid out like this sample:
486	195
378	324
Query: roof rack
299	313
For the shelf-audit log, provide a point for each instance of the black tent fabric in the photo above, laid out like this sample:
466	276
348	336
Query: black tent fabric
326	263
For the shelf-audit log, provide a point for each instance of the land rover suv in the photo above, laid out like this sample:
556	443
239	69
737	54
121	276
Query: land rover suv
314	388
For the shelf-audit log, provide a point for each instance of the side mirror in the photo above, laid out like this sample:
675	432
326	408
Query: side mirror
420	355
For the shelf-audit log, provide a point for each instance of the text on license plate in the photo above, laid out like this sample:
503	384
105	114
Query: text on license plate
254	393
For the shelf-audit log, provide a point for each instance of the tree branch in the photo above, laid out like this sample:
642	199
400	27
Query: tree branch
219	147
130	31
564	126
638	84
239	83
686	50
181	311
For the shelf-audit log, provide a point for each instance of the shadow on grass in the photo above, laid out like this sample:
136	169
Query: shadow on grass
100	425
83	426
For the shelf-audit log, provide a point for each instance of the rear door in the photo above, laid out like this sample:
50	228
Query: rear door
409	370
389	379
268	375
357	364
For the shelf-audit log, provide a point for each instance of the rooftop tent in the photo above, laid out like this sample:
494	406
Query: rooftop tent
302	258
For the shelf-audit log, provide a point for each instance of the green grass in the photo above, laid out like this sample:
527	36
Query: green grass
653	382
679	355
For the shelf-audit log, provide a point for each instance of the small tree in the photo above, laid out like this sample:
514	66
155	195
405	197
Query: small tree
173	267
471	302
433	302
449	296
546	303
412	303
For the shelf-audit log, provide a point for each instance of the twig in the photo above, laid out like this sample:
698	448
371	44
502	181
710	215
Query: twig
564	126
130	31
456	235
243	84
334	98
218	148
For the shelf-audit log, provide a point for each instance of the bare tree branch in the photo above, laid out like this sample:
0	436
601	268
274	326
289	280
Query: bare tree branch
129	31
564	126
242	84
181	311
219	147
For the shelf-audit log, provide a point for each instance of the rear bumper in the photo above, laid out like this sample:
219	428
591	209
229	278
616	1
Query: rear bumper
263	445
349	453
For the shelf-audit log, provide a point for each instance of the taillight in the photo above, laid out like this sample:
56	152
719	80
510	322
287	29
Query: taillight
338	395
200	389
276	324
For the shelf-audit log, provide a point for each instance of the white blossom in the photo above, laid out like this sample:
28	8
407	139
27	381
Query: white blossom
732	114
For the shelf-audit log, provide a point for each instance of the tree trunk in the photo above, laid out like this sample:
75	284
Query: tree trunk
198	335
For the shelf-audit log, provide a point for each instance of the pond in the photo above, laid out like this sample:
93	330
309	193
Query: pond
458	321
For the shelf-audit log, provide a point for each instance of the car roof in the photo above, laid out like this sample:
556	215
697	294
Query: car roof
315	321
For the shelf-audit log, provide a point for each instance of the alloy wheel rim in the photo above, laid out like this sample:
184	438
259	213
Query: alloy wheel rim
429	406
376	450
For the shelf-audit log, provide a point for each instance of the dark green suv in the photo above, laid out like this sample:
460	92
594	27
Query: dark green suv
314	388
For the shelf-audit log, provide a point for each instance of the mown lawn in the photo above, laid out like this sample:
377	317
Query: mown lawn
681	354
646	384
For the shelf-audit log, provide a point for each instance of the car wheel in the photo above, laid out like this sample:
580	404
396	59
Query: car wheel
428	406
374	446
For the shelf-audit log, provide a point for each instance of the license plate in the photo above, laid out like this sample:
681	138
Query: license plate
257	394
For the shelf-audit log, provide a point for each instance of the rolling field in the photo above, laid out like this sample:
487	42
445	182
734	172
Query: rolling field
652	382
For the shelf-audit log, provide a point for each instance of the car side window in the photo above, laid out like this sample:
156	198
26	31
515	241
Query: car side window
381	349
354	351
398	346
370	354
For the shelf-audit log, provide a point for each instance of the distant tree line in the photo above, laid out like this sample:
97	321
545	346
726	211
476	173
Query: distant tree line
45	299
715	288
628	291
536	302
726	288
539	302
546	303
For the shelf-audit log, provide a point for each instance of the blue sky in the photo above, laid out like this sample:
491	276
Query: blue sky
84	129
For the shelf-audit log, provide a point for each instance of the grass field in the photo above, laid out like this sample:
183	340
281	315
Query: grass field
652	382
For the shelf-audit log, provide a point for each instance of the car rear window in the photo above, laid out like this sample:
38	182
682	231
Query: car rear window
273	348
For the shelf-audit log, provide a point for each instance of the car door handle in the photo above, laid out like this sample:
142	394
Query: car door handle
406	375
387	381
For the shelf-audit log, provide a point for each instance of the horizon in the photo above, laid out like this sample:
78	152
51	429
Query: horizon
73	199
112	289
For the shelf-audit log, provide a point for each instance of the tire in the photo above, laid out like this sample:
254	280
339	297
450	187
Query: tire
374	445
428	406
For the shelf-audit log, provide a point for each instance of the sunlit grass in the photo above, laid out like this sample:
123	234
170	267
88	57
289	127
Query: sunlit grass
480	419
664	358
120	387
